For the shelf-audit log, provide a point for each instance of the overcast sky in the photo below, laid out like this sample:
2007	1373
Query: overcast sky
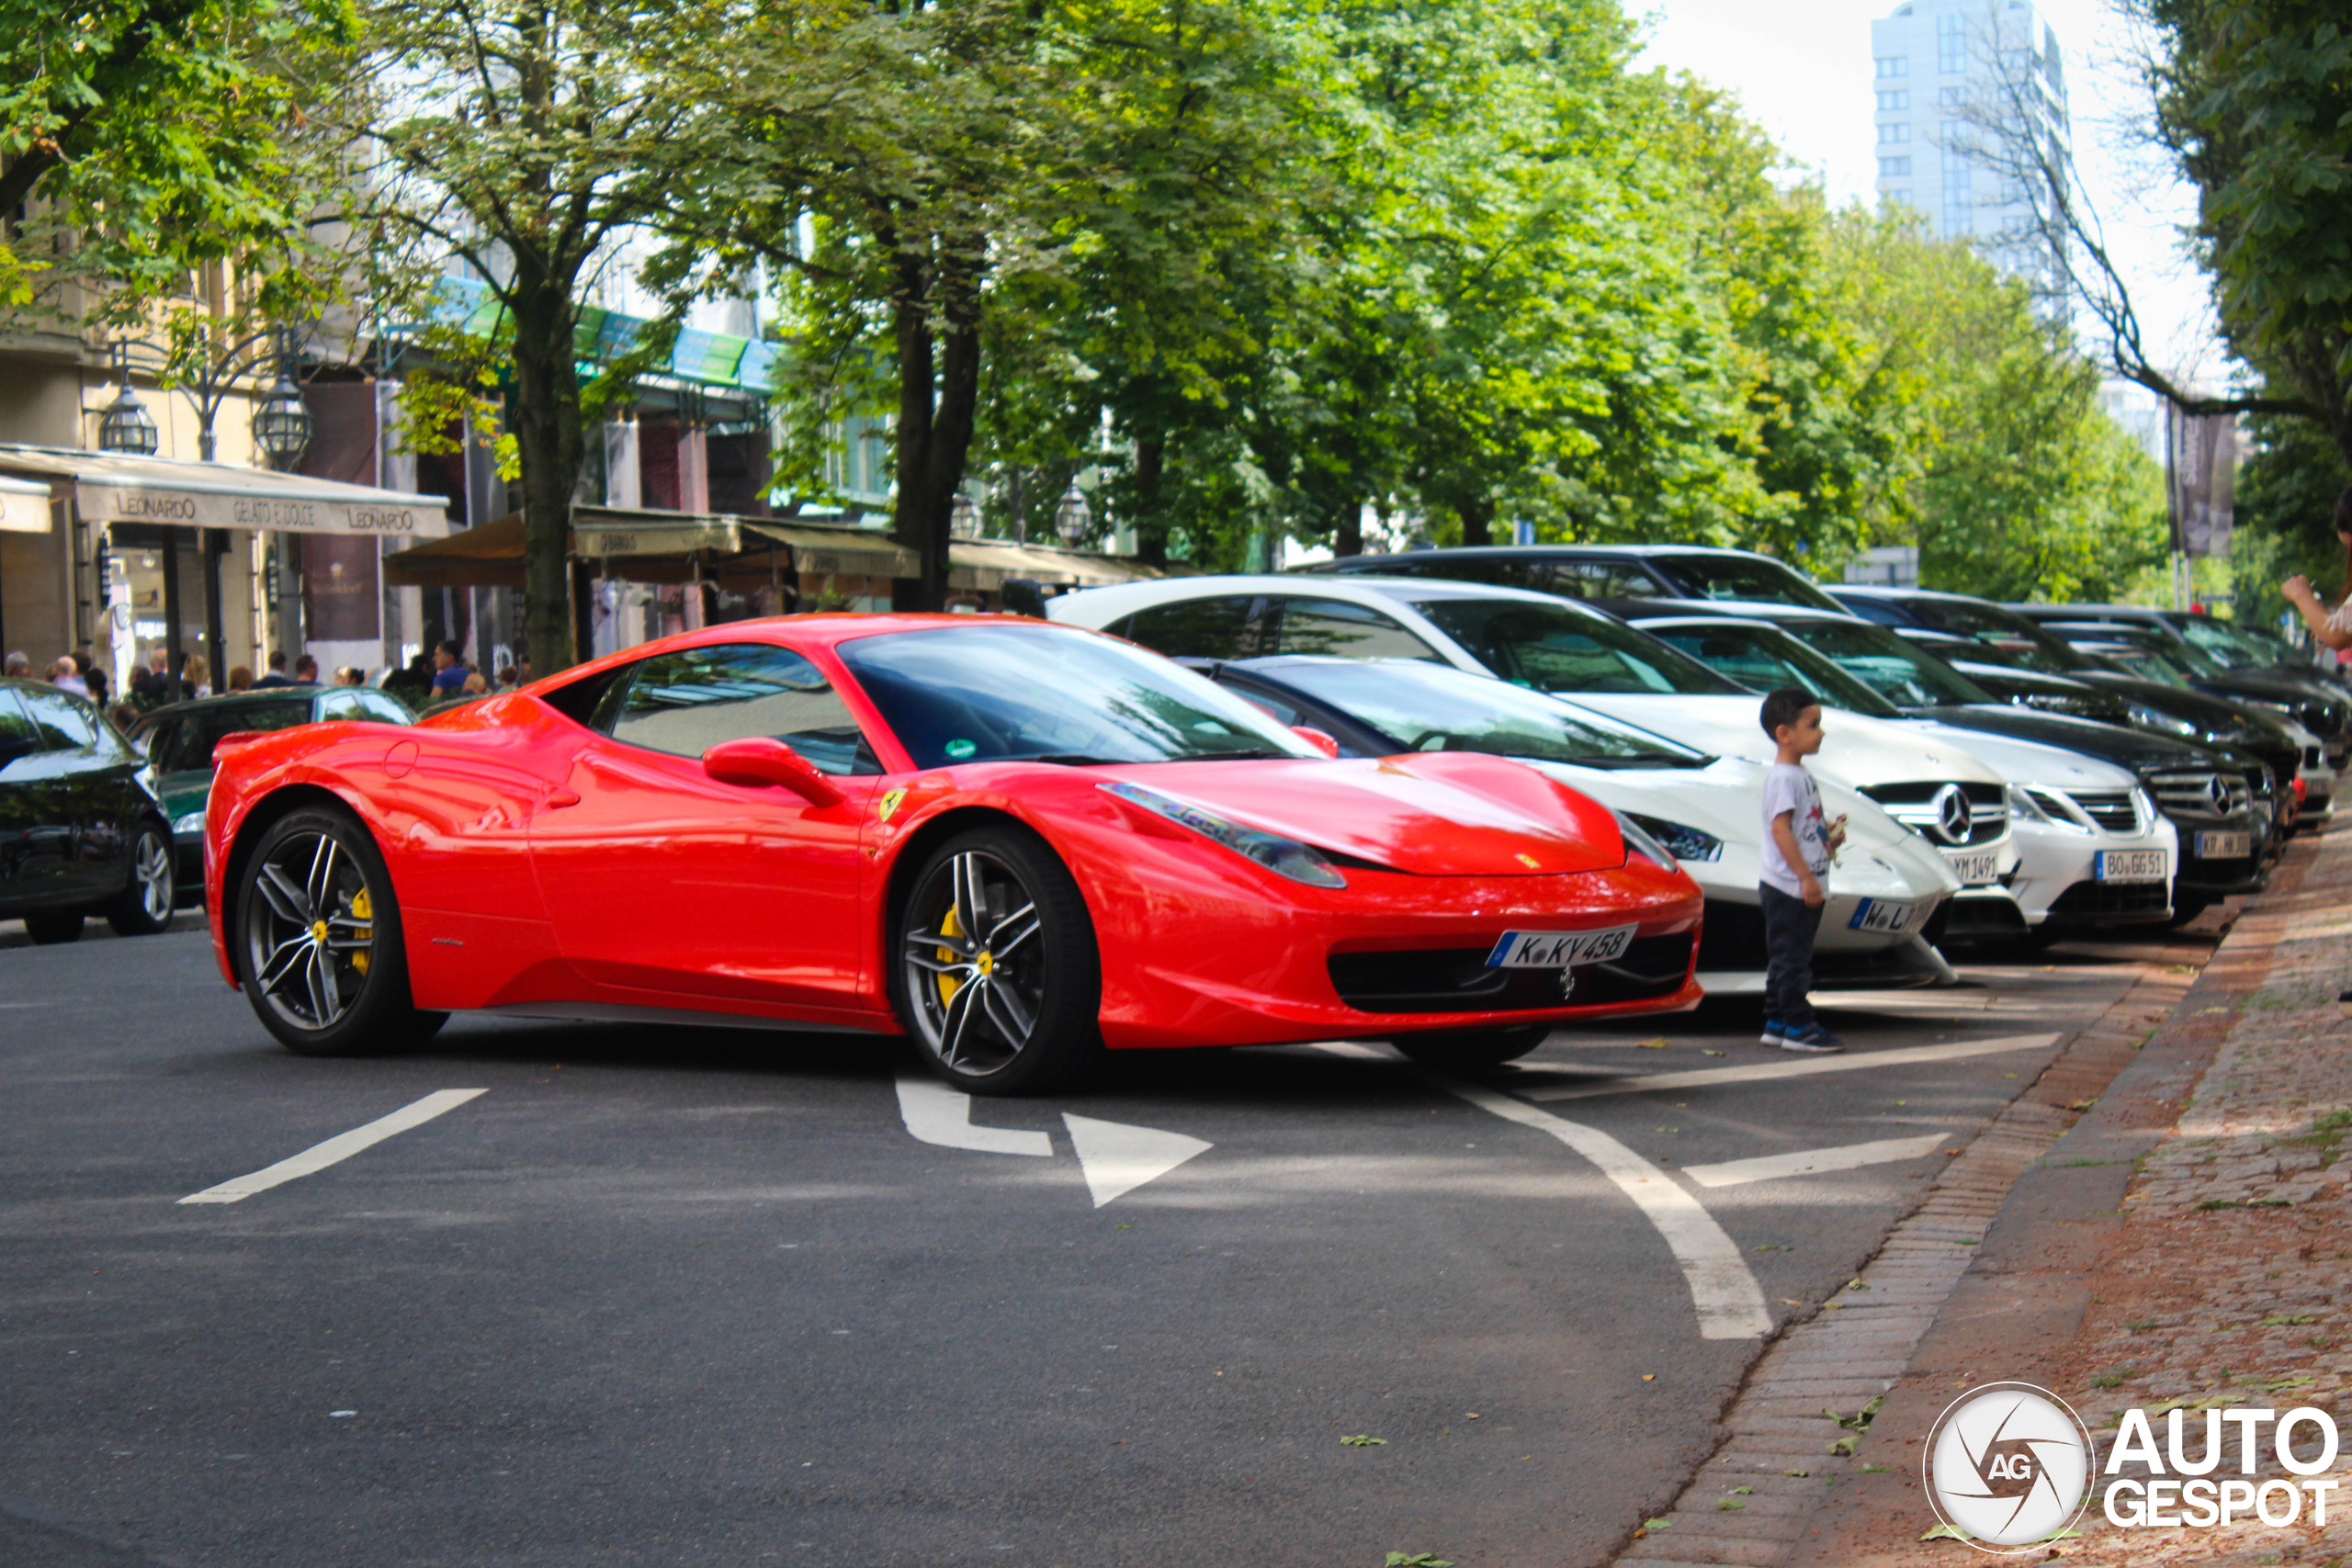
1803	67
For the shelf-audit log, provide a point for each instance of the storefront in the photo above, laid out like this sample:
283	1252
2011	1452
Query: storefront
124	554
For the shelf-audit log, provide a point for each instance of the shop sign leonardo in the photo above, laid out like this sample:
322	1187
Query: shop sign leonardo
295	513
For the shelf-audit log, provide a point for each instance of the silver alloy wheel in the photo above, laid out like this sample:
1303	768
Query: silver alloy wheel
152	872
975	969
309	929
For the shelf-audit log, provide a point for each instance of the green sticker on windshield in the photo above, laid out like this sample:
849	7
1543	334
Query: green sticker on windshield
959	750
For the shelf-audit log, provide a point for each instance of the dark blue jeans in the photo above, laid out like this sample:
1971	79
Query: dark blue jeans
1789	928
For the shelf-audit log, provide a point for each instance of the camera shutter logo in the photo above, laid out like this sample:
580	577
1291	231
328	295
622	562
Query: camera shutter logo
2008	1465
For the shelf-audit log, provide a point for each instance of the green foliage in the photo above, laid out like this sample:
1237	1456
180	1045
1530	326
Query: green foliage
2286	498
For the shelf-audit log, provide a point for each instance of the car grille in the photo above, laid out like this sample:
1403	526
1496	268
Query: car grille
1913	806
2108	901
2193	794
2111	808
1456	980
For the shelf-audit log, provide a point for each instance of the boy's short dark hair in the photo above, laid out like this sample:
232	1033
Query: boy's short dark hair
1785	705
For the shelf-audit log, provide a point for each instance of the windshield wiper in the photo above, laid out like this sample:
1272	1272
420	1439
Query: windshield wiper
1069	759
1246	754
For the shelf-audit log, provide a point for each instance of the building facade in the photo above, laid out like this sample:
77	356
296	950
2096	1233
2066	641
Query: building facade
1970	98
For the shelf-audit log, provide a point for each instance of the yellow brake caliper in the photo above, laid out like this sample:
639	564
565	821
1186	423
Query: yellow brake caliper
361	910
948	983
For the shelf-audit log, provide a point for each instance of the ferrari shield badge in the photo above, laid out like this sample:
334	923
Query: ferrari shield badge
891	803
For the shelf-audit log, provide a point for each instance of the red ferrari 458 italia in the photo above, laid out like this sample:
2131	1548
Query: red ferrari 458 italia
1017	842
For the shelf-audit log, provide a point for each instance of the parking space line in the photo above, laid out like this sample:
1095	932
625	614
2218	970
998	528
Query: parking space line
1730	1303
936	1114
342	1147
1854	1061
1807	1162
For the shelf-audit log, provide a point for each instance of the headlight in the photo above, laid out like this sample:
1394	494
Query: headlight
2146	717
1678	839
2042	808
189	821
1284	857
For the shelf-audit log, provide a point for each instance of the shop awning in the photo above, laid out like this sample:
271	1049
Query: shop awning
985	563
824	550
487	556
111	488
24	506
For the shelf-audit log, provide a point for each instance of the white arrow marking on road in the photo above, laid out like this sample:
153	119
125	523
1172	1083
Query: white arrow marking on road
937	1114
1118	1159
1807	1162
342	1147
1853	1062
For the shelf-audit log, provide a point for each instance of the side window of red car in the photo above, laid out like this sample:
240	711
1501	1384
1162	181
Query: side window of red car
687	702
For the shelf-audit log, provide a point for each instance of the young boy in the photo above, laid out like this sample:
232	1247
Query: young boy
1797	848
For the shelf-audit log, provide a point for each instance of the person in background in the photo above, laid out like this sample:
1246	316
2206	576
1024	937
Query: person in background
67	677
475	685
449	669
123	716
414	684
509	678
154	682
197	676
350	675
276	676
16	667
1798	848
240	678
305	670
93	676
2332	627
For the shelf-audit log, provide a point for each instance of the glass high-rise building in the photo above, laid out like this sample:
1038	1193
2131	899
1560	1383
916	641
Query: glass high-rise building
1971	95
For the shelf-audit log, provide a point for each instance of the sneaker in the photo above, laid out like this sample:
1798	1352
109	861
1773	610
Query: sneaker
1774	1030
1811	1039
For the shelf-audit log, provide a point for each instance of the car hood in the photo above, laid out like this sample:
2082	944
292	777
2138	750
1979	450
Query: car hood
1858	752
2033	762
1976	727
2214	713
1440	814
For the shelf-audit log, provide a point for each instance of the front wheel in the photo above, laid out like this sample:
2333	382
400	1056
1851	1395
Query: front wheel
317	940
145	906
997	976
1468	1050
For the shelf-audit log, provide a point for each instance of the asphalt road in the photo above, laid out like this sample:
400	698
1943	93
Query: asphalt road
703	1297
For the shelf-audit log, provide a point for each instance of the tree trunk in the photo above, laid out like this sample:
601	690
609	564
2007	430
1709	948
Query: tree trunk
1151	524
1347	536
548	440
939	384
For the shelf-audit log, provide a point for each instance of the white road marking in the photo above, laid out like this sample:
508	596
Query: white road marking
936	1114
1803	1067
1807	1162
342	1147
1118	1159
1730	1303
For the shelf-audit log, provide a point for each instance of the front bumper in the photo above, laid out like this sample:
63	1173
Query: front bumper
2058	874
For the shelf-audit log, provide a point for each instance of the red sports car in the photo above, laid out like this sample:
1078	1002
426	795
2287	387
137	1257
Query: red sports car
1018	842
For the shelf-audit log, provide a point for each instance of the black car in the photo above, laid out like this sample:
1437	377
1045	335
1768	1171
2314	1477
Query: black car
2231	662
1604	575
81	831
2201	790
178	740
2207	707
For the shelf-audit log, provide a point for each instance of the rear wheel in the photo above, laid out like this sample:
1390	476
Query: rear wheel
996	974
317	940
48	930
1467	1050
145	906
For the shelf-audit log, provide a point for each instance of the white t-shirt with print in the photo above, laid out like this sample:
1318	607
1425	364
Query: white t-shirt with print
1787	787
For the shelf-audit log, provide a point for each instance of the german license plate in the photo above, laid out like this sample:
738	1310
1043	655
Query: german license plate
2224	846
1882	915
1559	950
2128	866
1975	866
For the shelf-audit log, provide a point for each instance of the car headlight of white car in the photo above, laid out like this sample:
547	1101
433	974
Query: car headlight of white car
2045	808
1678	839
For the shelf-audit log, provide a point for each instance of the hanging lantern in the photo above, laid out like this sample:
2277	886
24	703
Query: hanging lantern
125	426
1072	516
282	423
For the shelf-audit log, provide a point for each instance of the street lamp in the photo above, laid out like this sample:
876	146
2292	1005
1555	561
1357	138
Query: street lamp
127	427
964	517
282	423
1072	516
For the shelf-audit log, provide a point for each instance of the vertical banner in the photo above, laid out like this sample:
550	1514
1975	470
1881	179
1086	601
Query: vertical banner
2203	450
344	601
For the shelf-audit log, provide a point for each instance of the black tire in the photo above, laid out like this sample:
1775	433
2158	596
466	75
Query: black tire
153	892
49	929
2185	910
1469	1049
315	935
1035	964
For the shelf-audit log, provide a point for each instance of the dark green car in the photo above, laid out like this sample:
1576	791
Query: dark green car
178	740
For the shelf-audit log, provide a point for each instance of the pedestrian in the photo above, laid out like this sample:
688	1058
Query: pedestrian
240	678
93	673
16	667
509	677
305	670
474	684
197	676
1798	848
276	676
66	676
154	682
2333	628
123	716
350	675
413	684
449	669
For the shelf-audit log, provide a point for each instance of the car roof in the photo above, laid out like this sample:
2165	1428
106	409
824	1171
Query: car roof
1762	610
309	692
1493	552
1363	587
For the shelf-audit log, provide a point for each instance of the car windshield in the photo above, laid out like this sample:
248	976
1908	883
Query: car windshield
198	732
2149	652
1740	577
2230	645
1430	707
1764	658
1889	666
2026	646
991	693
1555	648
